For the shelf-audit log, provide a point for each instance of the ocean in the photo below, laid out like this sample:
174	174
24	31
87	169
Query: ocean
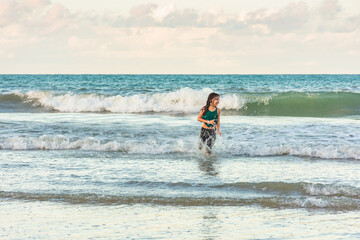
116	157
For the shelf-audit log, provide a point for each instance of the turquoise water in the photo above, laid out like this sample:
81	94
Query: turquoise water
126	85
246	95
115	156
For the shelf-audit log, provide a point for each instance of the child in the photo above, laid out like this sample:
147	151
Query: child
210	117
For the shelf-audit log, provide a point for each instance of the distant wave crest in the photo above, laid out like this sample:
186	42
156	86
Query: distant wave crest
187	100
184	100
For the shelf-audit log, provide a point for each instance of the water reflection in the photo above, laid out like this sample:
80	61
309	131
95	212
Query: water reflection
206	164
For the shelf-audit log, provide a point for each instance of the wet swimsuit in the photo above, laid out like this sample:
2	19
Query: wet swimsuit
208	136
211	115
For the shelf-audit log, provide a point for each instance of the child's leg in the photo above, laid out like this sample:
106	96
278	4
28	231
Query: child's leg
203	138
211	137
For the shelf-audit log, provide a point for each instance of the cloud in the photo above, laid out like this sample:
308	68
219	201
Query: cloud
291	18
288	19
332	21
152	15
6	13
43	17
186	17
345	26
162	35
329	8
142	10
141	16
214	17
161	12
34	16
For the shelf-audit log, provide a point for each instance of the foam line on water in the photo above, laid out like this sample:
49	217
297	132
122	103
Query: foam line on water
288	188
134	119
180	145
330	203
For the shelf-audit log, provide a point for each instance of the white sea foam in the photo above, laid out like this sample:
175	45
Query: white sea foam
323	202
185	100
301	149
61	142
331	190
314	202
184	145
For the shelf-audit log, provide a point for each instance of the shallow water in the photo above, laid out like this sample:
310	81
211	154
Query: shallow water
47	220
116	157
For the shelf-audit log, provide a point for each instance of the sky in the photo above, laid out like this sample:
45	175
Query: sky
179	37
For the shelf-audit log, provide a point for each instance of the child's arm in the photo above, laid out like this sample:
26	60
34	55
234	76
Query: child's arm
218	122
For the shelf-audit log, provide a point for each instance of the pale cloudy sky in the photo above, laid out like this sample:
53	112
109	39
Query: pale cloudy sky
184	36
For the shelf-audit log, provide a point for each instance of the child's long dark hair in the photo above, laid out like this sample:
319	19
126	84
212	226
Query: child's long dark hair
208	102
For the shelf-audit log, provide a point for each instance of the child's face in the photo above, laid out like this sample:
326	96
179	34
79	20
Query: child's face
215	101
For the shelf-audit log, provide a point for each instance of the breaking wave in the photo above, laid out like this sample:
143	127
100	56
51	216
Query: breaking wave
187	100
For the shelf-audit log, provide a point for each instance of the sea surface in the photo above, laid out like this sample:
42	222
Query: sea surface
116	157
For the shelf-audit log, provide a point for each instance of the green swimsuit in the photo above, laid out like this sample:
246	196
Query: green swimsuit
211	115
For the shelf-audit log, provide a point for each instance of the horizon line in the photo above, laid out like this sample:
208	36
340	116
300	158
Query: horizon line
179	73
